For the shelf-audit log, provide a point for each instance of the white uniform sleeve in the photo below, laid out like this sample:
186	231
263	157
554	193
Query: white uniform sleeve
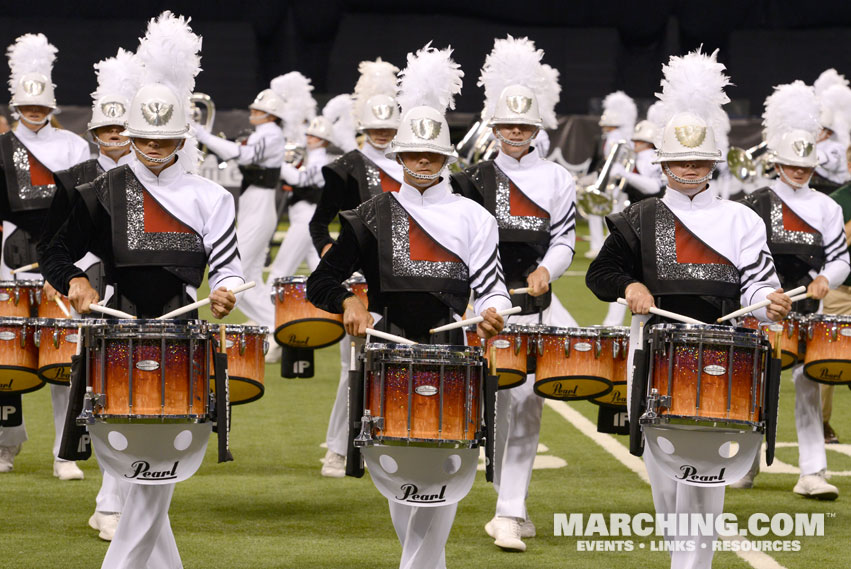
836	263
220	243
82	152
831	157
756	265
290	174
486	277
559	255
252	152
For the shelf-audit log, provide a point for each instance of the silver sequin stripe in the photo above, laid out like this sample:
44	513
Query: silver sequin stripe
26	189
373	177
503	208
667	266
403	266
779	234
138	240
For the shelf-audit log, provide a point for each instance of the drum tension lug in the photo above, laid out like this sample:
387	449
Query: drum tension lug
364	438
90	401
654	403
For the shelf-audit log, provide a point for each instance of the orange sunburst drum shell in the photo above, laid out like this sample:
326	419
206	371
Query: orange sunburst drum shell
167	361
298	323
507	354
246	348
395	373
18	297
682	350
18	356
57	343
828	358
572	363
790	330
620	353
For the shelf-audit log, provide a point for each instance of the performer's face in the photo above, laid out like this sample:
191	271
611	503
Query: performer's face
156	148
34	114
516	133
689	170
608	129
315	142
798	175
381	136
424	163
256	117
641	145
112	134
4	124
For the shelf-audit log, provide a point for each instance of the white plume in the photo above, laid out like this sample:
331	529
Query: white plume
622	104
791	106
516	61
294	88
118	76
695	83
376	78
31	53
838	98
431	79
829	78
656	114
338	111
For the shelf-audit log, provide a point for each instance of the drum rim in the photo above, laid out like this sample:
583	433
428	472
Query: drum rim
429	443
24	283
239	328
613	331
689	333
473	354
355	280
512	329
829	318
194	418
294	279
698	421
175	329
62	322
15	320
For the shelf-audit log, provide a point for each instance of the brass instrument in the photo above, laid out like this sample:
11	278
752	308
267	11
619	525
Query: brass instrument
203	112
477	145
756	161
294	154
599	198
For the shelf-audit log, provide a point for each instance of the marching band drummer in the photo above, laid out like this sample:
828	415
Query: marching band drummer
157	227
349	181
24	208
533	201
806	236
422	249
689	253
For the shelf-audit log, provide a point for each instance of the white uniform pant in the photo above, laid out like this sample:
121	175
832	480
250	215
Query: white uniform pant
336	438
59	397
595	228
518	427
672	497
297	246
255	224
112	494
144	539
812	456
423	533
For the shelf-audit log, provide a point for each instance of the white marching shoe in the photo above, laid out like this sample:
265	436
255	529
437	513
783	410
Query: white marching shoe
273	356
527	529
506	533
815	486
67	470
7	457
334	465
106	523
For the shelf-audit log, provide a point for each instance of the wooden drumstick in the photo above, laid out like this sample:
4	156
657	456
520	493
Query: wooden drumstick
352	356
62	306
25	268
388	337
521	290
801	296
111	311
474	320
223	344
666	314
203	302
758	305
79	340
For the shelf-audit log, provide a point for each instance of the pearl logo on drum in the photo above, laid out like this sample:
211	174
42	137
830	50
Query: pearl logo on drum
714	370
691	474
8	336
148	365
426	390
410	493
142	470
501	344
582	347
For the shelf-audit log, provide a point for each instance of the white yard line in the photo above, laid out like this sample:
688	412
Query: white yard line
756	559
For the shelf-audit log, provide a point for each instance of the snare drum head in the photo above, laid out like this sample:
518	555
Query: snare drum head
423	353
292	280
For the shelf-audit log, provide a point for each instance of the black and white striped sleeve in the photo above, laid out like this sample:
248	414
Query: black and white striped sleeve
559	255
487	279
758	278
220	243
836	262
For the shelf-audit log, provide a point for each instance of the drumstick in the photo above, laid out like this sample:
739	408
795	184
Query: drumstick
223	343
79	341
666	314
25	268
758	305
801	296
388	337
521	290
111	311
62	306
352	356
204	302
474	320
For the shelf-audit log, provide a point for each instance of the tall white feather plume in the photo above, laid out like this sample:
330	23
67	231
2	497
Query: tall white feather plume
516	61
294	88
838	98
376	78
624	106
656	114
31	53
431	79
829	78
695	83
118	76
791	106
338	111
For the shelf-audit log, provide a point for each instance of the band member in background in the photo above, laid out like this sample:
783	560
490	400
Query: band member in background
26	189
806	236
833	93
688	253
533	201
350	180
448	245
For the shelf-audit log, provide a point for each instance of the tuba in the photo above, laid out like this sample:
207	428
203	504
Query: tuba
599	198
756	161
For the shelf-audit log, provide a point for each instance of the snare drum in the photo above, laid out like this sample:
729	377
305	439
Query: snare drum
620	352
423	395
57	341
509	350
152	371
791	331
357	285
472	335
49	308
828	358
572	363
18	356
706	374
297	322
246	348
17	297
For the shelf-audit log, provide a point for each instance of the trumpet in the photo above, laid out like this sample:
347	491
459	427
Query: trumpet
203	112
747	164
599	198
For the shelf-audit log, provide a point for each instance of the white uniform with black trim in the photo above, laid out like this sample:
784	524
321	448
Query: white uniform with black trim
825	216
57	150
833	162
551	188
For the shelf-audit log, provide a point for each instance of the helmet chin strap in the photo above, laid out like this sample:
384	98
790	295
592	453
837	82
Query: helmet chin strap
688	181
789	180
375	144
105	144
424	178
42	122
526	142
161	161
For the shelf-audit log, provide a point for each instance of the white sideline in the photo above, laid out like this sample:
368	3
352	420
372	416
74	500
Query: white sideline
756	559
